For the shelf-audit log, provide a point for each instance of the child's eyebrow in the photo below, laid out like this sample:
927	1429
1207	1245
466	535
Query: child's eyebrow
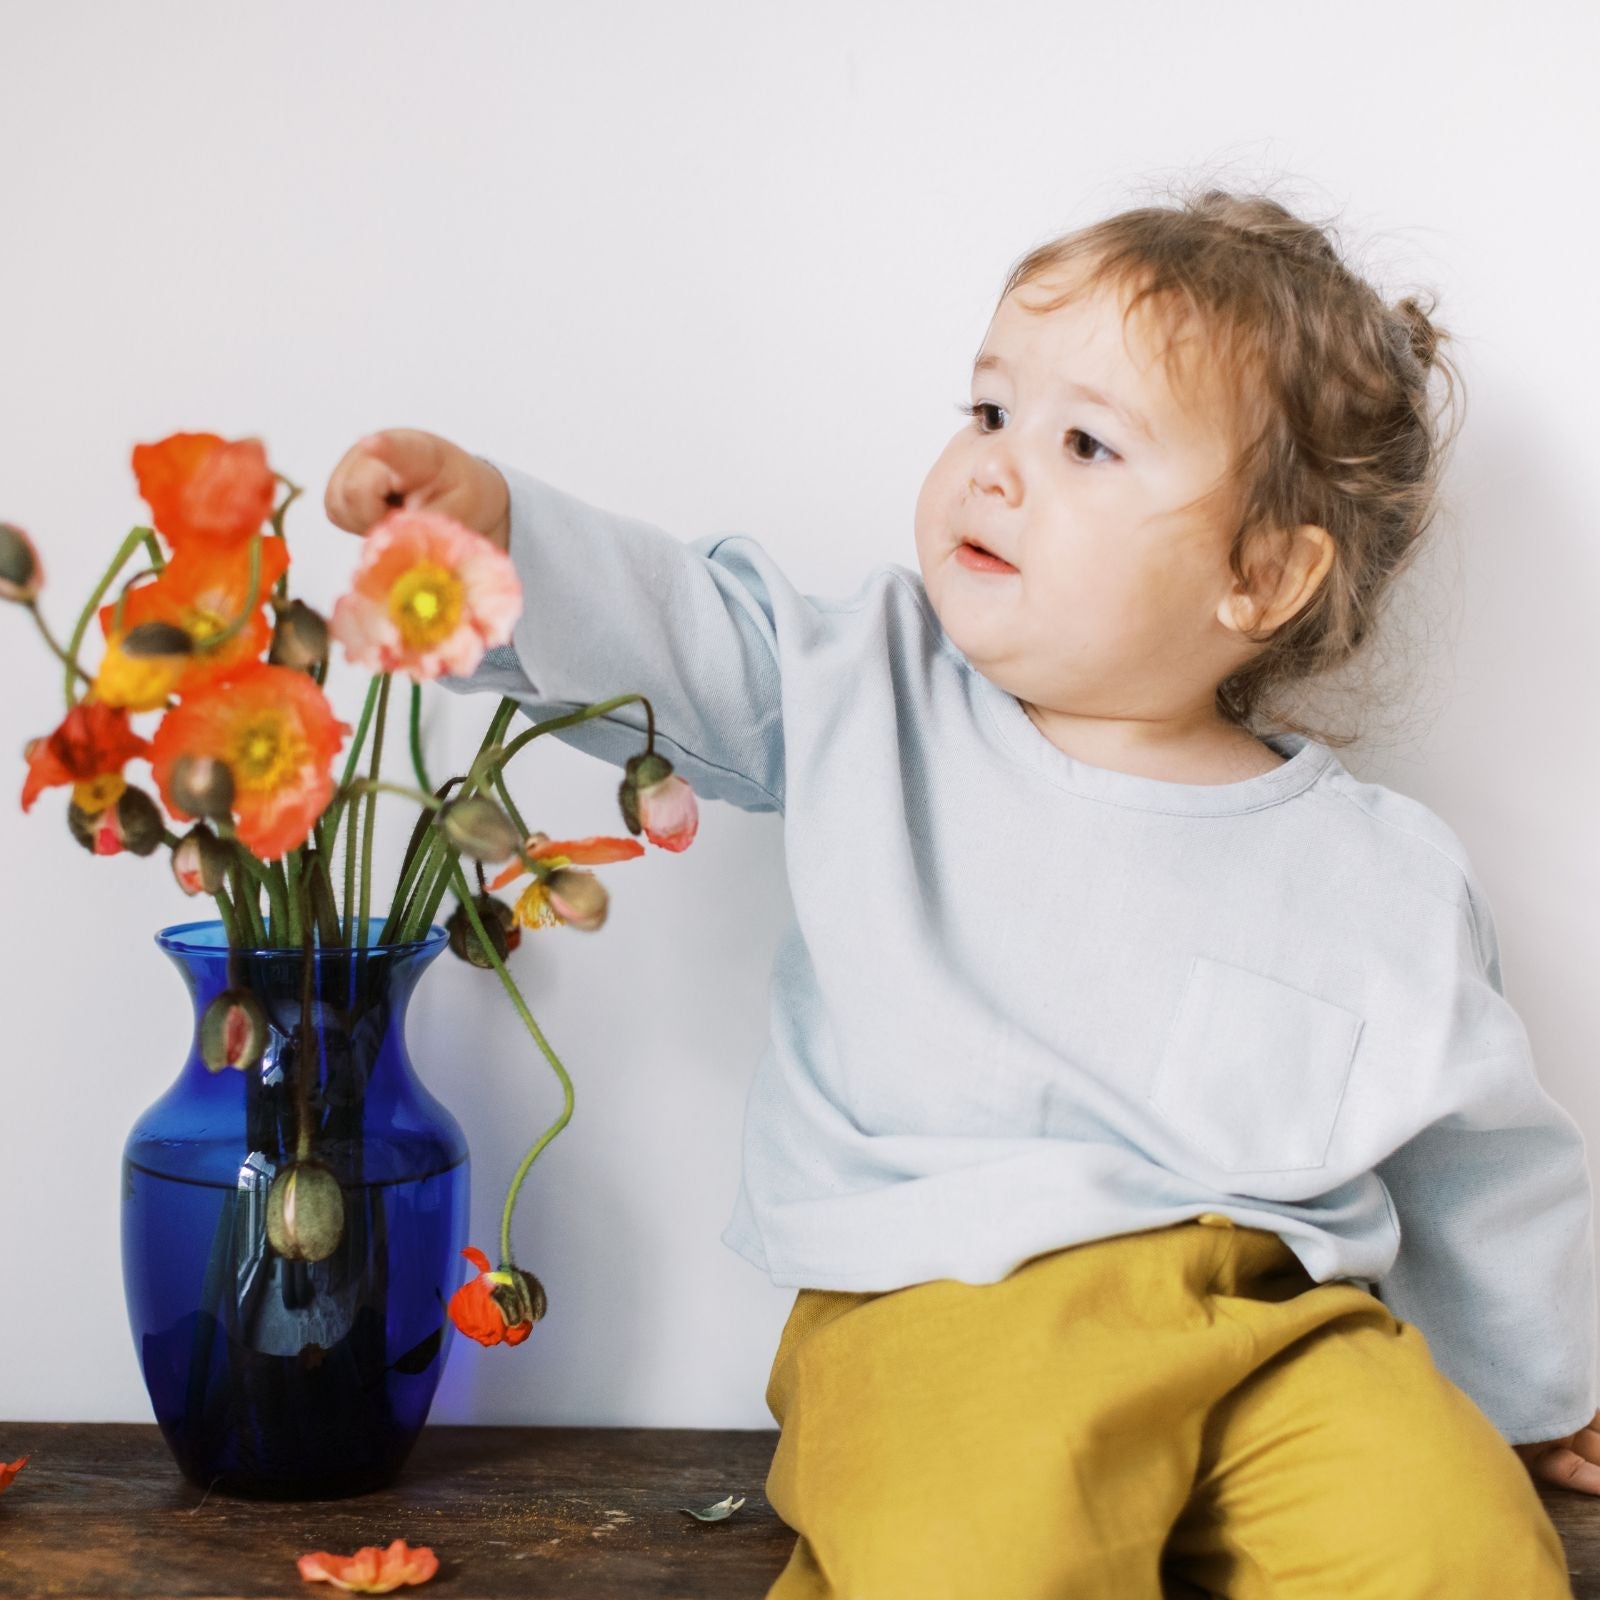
990	362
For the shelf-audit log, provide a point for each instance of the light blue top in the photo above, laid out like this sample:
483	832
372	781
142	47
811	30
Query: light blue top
1026	1001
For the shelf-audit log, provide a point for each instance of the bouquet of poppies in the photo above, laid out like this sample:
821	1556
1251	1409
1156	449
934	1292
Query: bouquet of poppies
206	637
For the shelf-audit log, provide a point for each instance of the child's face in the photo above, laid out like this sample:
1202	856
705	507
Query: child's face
1116	603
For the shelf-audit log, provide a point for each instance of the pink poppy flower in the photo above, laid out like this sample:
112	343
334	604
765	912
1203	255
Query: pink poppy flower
429	596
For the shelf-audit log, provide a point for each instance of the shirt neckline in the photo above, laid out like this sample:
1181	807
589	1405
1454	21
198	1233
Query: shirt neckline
1306	760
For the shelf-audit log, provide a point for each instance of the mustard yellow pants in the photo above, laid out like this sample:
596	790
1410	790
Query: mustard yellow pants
1180	1411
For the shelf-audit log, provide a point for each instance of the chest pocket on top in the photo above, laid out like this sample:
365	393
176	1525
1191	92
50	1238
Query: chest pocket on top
1253	1070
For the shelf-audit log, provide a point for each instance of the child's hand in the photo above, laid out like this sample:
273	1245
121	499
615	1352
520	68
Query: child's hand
405	466
1570	1463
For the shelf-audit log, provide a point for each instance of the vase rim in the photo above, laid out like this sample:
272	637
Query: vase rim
210	937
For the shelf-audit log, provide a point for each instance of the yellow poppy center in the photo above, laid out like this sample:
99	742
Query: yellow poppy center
267	751
426	604
203	625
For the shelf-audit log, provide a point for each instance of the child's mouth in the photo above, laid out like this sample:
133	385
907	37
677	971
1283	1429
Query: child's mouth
980	560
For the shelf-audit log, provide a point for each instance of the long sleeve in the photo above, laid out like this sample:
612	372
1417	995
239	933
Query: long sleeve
1493	1197
613	605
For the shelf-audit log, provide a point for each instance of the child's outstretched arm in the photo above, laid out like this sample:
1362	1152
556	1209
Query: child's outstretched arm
1496	1261
614	605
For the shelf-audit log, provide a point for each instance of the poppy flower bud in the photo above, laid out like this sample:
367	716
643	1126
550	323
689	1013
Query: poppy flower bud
200	861
157	639
477	827
131	821
521	1301
21	576
499	922
655	799
578	898
233	1031
305	1212
299	638
202	786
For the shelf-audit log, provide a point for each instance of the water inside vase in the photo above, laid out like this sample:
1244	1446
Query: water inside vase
290	1379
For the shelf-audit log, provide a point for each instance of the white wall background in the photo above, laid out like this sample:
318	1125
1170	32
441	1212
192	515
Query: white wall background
723	266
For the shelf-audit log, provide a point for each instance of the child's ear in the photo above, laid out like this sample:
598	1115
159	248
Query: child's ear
1282	577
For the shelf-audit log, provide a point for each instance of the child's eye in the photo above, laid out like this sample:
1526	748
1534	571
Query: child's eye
979	408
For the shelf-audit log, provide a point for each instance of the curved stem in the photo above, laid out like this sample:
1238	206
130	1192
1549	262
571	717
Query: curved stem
236	623
418	766
50	639
135	538
465	895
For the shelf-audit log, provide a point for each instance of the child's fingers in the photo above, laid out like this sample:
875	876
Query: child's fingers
377	473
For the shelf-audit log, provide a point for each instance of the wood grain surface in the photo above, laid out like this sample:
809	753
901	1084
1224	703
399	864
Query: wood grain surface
101	1513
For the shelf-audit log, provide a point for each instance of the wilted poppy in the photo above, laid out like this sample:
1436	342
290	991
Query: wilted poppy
203	489
277	733
92	740
496	1307
371	1570
201	590
429	596
8	1473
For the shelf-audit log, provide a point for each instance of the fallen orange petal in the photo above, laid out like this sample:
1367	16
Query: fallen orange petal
8	1473
370	1570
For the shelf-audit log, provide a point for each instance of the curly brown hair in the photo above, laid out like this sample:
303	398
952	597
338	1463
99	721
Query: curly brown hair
1332	419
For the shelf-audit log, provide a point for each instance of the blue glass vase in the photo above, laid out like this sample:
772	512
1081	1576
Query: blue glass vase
295	1371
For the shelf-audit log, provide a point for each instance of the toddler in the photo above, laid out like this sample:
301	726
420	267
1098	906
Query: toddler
1169	1195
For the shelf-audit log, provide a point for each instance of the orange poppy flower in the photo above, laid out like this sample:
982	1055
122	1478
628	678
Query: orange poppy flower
8	1473
277	733
204	489
371	1570
92	740
589	851
202	589
475	1310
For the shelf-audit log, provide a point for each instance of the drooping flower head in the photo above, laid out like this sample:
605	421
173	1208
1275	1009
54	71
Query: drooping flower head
429	596
497	1307
277	734
204	490
8	1472
93	742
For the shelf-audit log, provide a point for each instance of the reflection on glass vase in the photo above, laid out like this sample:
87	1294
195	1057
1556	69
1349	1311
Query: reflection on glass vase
291	1230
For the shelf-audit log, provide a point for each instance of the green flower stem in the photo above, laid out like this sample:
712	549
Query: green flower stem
598	709
487	945
367	785
350	858
248	906
135	538
372	805
157	559
281	593
235	624
50	639
292	868
415	856
323	899
269	875
510	805
225	908
418	766
427	900
170	839
122	594
430	888
328	824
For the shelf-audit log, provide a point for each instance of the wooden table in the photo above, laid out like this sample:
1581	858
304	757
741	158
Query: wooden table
591	1513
